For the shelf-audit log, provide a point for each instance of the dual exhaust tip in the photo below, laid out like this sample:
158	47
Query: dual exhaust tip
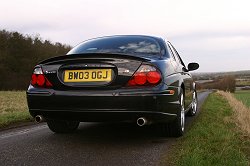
39	119
140	121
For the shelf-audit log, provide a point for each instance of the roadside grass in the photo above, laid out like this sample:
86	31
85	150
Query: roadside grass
241	112
244	96
13	108
213	138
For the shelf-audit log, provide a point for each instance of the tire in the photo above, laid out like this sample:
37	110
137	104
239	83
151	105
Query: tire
177	127
194	107
62	126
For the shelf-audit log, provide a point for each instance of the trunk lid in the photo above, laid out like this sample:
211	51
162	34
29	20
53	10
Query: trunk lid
91	71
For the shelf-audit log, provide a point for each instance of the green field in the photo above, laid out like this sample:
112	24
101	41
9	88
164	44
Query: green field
213	139
243	83
13	108
244	96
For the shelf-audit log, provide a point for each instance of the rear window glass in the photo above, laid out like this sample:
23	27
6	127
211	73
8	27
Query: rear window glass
119	44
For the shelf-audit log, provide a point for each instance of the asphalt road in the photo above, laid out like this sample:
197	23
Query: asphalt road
93	144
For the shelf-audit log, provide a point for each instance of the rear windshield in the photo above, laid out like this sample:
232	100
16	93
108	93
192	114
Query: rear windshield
118	44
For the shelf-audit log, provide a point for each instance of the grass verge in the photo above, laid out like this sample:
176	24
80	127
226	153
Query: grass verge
241	112
13	108
213	139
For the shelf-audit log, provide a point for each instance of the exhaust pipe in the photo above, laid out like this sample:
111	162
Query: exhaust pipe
39	118
141	121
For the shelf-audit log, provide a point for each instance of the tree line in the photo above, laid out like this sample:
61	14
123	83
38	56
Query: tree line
226	83
20	53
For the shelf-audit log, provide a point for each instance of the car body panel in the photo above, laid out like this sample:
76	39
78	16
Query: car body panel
113	101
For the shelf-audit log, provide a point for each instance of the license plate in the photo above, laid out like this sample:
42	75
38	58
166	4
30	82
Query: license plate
90	75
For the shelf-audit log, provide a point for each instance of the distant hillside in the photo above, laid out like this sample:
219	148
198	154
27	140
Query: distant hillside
18	55
214	75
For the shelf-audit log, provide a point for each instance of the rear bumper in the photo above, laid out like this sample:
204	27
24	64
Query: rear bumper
94	106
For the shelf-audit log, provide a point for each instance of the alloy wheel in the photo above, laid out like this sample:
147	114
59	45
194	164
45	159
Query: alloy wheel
194	103
182	113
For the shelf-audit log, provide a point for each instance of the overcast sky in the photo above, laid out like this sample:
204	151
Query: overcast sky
214	33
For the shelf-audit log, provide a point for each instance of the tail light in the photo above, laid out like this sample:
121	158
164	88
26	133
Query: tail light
38	79
146	75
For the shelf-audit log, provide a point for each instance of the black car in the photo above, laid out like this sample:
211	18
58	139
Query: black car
127	78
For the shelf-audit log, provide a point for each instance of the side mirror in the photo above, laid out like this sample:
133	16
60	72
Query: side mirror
193	66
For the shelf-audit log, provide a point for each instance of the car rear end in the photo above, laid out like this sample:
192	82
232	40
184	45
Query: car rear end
101	86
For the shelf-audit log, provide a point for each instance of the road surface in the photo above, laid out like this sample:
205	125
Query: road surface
93	144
